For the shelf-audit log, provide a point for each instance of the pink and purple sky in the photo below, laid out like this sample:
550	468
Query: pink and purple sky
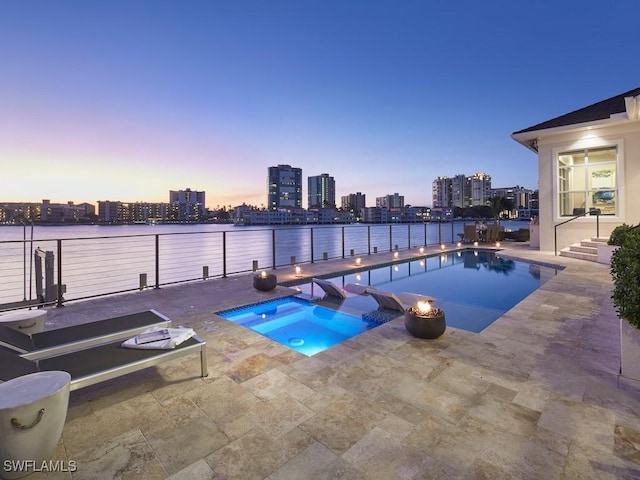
126	100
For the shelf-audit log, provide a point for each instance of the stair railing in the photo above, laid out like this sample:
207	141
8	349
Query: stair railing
593	211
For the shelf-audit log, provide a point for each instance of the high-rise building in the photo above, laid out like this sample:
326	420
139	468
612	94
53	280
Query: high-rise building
321	191
284	187
441	192
460	191
354	201
480	189
187	205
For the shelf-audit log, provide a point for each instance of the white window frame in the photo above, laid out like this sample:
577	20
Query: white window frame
589	144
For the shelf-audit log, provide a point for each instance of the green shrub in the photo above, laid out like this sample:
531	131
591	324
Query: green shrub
625	270
618	235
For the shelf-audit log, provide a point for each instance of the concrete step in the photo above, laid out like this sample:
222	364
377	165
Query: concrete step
582	248
591	243
591	257
585	250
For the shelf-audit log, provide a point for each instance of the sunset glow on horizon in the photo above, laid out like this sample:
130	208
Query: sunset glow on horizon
129	100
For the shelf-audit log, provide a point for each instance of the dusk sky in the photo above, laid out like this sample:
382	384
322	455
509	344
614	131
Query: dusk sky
126	100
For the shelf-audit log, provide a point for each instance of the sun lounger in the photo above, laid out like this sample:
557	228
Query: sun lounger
358	289
61	340
331	289
100	363
397	302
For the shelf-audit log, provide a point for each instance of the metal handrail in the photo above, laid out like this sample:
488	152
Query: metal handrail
593	211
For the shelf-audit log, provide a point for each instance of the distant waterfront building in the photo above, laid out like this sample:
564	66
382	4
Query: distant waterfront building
17	212
46	212
284	187
249	216
520	196
441	214
480	189
390	201
110	211
139	212
187	205
61	212
441	192
461	191
132	212
375	215
321	191
354	202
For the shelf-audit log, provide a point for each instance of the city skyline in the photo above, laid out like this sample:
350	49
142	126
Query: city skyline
127	101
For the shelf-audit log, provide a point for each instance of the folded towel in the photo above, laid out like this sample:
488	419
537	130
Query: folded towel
177	336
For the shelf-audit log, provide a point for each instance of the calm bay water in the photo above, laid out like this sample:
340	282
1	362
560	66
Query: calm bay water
99	259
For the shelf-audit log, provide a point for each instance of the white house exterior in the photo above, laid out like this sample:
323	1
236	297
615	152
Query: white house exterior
587	159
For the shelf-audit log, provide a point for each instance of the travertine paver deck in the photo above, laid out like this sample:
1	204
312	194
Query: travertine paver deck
537	395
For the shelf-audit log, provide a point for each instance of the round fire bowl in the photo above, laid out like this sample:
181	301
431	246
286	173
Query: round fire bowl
421	326
265	283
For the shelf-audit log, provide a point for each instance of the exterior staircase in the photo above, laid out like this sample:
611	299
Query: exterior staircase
585	250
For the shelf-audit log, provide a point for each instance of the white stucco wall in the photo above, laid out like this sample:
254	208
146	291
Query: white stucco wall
626	134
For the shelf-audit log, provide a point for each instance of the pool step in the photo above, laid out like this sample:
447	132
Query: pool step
585	250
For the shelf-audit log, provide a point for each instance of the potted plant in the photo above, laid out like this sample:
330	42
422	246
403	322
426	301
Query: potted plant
615	240
625	270
425	321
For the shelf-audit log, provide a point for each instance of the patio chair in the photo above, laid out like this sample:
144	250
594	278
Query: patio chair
100	363
331	289
493	233
470	234
61	340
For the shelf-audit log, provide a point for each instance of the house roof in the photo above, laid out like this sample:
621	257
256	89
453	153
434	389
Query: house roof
598	111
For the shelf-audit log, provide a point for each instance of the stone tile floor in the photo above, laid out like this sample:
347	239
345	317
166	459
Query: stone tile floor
536	395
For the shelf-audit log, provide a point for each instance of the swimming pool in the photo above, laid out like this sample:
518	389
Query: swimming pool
298	324
473	287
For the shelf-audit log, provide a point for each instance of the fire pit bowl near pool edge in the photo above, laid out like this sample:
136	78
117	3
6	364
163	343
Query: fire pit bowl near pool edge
265	282
427	323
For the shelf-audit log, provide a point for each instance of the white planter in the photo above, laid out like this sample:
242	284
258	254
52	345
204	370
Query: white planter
629	350
534	235
604	253
25	321
33	409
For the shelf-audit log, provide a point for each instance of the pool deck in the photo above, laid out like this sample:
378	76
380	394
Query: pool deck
536	395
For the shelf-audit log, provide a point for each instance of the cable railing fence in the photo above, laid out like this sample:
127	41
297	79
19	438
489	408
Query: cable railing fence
86	267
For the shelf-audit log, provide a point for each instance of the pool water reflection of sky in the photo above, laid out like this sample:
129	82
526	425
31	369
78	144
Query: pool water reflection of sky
473	287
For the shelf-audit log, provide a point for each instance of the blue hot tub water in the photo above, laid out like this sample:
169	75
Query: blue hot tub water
474	288
299	324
